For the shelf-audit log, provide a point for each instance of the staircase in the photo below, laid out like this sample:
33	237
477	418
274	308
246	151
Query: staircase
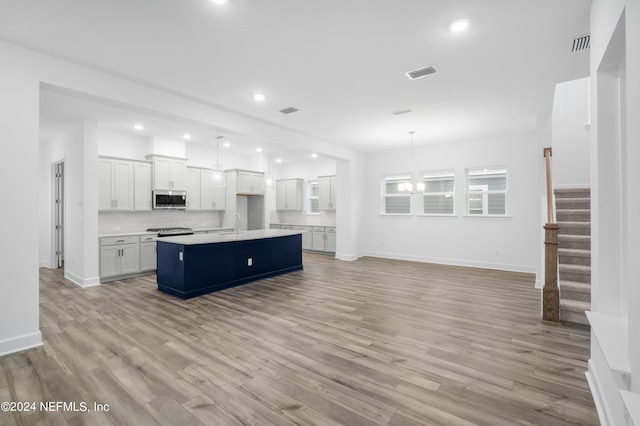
573	215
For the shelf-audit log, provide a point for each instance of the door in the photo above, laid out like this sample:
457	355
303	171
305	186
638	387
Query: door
330	240
58	207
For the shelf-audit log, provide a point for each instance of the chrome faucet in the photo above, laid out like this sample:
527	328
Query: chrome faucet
237	222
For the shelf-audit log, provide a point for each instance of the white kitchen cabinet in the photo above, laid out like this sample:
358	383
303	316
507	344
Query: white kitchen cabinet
115	190
141	186
168	173
148	258
307	236
119	256
192	186
212	197
250	183
330	239
317	240
327	192
324	239
289	194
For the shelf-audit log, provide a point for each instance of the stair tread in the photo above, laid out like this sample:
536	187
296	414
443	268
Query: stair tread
575	305
575	286
575	268
574	224
572	190
567	237
574	252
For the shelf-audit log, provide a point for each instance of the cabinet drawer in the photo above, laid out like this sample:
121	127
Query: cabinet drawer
330	230
285	226
110	241
148	238
302	228
274	226
318	229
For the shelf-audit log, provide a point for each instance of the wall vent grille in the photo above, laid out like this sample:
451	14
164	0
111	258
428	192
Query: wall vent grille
581	43
422	72
288	110
401	111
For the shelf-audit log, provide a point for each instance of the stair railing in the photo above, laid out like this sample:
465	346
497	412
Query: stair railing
550	292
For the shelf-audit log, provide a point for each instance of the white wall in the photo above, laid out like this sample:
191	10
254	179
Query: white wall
571	134
19	328
509	243
615	154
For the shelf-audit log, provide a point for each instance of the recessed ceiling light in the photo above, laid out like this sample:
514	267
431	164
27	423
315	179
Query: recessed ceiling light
314	155
219	1
278	160
459	25
226	144
258	149
258	97
138	127
186	136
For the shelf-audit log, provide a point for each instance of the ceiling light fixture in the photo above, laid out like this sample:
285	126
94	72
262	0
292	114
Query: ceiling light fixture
268	176
278	160
407	187
138	127
219	1
259	97
258	149
186	136
314	155
459	25
217	171
226	144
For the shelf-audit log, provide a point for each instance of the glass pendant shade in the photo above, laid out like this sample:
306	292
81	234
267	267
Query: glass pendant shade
217	171
268	179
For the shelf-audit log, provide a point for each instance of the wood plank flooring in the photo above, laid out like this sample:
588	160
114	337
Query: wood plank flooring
369	342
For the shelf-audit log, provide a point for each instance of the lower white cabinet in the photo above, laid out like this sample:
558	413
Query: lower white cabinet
307	236
119	256
318	238
324	238
148	258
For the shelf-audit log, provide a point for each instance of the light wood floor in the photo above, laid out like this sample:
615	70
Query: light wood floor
355	343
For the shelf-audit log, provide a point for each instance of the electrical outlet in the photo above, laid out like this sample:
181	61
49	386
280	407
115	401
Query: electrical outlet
250	262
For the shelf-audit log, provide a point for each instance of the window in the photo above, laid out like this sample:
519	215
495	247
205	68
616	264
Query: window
394	200
438	193
487	191
314	198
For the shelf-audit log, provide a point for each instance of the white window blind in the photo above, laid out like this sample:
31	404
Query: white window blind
439	189
314	197
394	200
487	191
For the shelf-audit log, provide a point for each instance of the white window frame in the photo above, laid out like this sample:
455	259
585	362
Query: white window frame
384	195
438	174
311	197
484	190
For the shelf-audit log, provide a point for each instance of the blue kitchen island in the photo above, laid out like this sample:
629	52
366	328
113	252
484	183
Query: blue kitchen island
193	265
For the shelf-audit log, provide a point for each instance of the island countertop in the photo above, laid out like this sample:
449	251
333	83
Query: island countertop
226	237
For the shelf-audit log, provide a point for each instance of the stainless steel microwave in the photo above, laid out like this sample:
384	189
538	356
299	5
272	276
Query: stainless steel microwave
163	199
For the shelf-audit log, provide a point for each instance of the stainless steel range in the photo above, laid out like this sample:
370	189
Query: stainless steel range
171	232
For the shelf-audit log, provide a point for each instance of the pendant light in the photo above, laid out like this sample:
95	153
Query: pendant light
407	187
268	176
217	171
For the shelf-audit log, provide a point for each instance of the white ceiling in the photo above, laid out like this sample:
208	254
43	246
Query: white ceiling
340	62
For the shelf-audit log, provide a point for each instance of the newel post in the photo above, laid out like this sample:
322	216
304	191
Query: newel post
550	292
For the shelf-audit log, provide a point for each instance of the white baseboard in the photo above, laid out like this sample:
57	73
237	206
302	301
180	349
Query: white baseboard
81	282
455	262
539	283
348	257
20	343
45	264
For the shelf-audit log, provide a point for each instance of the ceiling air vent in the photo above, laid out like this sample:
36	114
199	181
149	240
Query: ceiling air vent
421	72
581	43
288	110
401	111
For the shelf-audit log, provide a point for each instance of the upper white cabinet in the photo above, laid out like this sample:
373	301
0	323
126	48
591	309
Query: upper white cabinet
212	197
327	192
115	184
168	172
192	186
289	194
249	183
141	186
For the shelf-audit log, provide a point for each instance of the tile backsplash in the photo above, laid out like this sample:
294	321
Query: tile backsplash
110	222
324	218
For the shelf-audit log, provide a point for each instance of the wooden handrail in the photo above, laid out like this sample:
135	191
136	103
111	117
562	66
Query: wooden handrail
550	292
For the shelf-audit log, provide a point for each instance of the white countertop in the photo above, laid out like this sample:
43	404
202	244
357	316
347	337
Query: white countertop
303	224
258	234
134	233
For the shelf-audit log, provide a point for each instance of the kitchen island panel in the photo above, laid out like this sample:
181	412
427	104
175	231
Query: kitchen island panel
286	252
